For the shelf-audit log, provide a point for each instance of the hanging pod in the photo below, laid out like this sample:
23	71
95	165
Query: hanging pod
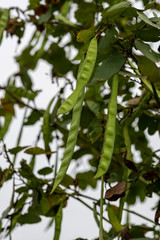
109	137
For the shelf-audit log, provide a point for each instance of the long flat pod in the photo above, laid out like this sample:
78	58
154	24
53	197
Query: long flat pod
109	137
71	142
4	16
84	77
72	137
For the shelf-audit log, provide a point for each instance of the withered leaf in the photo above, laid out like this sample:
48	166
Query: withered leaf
125	234
157	214
129	164
116	192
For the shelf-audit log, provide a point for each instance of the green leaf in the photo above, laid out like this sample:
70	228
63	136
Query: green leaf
93	106
137	189
147	51
85	14
16	149
44	204
106	42
29	61
115	10
95	134
33	118
30	217
33	4
22	190
5	212
67	181
4	128
66	21
152	5
114	219
110	66
86	35
144	18
138	232
149	34
148	68
46	129
44	17
22	92
25	78
86	179
55	55
37	151
65	8
45	171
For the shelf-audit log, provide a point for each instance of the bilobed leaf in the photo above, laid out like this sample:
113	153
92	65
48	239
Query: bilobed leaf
109	67
115	10
147	20
148	68
29	61
147	51
37	151
86	179
55	55
114	219
16	149
86	35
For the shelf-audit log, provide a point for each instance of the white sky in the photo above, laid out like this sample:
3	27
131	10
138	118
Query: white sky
78	221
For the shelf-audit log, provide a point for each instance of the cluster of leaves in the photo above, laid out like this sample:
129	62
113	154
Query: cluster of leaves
121	29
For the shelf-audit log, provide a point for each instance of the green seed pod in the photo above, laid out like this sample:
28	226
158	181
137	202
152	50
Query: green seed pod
4	16
84	76
109	137
72	137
